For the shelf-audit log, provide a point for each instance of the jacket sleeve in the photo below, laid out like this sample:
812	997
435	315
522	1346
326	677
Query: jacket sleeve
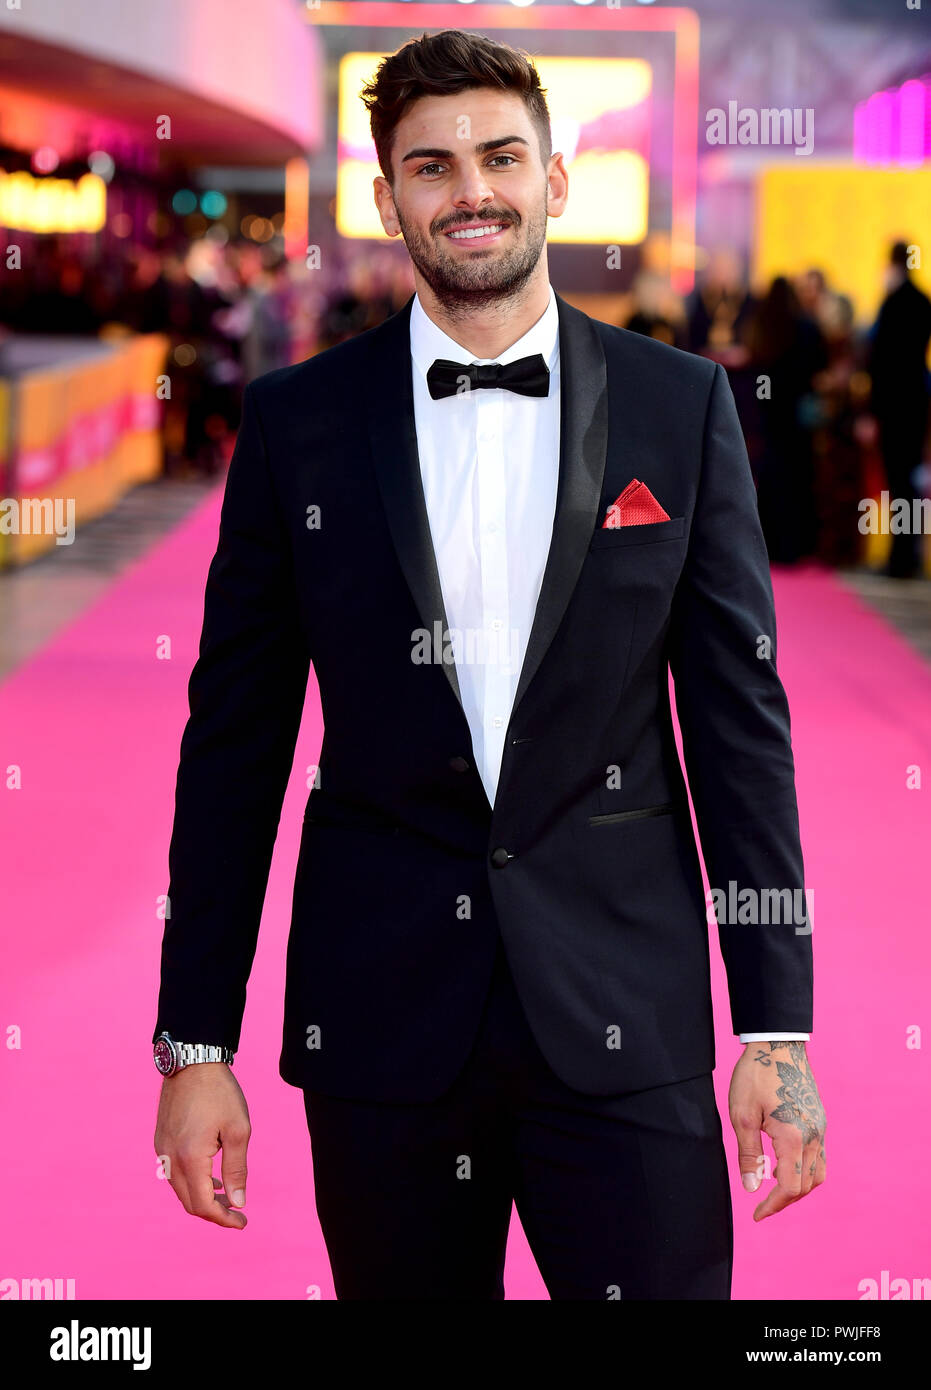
246	695
734	718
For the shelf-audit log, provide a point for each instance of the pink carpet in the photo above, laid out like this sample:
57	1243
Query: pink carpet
94	721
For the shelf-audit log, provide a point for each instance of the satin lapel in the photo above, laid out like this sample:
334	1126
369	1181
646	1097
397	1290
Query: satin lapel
389	404
583	443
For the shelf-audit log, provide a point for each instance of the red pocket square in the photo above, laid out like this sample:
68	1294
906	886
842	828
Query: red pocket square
636	506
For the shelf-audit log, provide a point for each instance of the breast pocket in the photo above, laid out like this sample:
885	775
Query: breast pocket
611	537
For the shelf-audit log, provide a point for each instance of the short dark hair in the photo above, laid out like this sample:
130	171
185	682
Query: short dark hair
899	255
442	65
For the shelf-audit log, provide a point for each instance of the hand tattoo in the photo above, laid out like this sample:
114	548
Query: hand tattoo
801	1105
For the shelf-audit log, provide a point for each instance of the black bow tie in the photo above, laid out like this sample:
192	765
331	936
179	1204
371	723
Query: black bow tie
528	376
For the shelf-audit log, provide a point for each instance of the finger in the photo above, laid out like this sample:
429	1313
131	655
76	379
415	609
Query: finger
178	1182
810	1178
751	1161
235	1140
214	1207
777	1199
819	1165
201	1201
788	1175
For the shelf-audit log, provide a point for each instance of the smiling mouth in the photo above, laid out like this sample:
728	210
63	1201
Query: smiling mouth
476	232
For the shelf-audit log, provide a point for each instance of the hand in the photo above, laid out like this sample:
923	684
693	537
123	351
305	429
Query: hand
773	1091
202	1109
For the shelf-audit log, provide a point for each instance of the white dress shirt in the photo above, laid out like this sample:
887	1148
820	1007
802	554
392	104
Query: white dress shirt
489	460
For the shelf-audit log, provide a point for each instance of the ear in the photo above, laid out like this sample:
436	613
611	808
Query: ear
557	186
384	201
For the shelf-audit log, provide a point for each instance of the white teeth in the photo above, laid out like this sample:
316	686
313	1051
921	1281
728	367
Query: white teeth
470	233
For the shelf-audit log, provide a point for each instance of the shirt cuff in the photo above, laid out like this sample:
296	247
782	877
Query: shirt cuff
774	1037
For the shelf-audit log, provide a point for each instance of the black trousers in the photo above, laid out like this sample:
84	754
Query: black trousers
620	1197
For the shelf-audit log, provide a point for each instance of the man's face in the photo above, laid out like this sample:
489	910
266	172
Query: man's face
445	183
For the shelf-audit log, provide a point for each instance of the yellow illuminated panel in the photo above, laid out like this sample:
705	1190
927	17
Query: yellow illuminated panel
600	113
52	205
843	220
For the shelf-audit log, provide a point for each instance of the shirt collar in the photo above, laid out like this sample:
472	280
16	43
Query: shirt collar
428	341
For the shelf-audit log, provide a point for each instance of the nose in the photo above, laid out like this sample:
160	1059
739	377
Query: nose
472	191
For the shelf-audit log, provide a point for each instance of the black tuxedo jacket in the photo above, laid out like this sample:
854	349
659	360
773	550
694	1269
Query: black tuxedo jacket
407	875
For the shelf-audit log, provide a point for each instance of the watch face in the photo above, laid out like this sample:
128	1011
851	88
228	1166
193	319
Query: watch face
164	1057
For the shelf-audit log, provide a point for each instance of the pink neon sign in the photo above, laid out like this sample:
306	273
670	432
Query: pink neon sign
894	127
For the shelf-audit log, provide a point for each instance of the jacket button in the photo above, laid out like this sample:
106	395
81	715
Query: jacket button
459	764
499	857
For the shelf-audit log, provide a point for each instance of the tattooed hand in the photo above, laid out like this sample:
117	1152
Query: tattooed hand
773	1091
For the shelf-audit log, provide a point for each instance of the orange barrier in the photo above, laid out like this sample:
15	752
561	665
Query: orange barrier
81	434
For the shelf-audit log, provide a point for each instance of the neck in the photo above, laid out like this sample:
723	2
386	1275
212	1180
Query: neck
488	330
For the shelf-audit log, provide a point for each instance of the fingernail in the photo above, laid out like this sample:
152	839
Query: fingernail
751	1181
239	1198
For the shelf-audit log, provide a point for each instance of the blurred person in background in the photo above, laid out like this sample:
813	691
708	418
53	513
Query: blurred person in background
657	310
838	458
145	303
786	347
364	300
271	300
813	295
717	310
717	313
198	358
898	368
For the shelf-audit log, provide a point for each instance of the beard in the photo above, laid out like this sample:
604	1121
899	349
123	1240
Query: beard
462	283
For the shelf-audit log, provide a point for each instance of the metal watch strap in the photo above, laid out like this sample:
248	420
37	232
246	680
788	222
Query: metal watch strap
189	1053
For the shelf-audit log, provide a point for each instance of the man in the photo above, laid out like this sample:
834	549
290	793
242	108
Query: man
898	357
497	982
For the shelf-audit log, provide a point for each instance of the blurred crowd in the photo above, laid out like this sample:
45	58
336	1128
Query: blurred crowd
231	311
831	412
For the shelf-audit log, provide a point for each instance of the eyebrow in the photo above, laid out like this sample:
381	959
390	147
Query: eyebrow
423	152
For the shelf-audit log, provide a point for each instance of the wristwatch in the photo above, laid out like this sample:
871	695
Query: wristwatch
170	1055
